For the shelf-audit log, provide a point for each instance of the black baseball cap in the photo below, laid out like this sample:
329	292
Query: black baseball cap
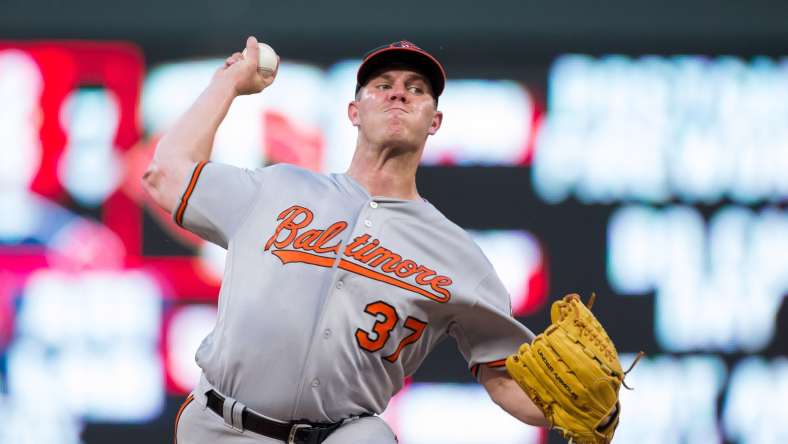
407	54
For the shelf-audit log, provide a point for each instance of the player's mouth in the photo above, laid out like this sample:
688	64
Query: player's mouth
394	109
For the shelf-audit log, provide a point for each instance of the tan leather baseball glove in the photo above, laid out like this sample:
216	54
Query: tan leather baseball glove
572	373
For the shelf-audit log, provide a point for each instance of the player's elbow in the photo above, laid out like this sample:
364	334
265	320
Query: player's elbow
154	184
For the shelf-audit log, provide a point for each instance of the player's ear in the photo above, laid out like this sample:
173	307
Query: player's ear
352	112
437	119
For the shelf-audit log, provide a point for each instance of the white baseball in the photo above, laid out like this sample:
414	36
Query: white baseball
267	60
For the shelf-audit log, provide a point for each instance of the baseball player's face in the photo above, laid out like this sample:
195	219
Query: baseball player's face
396	107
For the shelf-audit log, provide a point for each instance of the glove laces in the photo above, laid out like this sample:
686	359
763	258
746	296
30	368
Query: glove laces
637	358
641	353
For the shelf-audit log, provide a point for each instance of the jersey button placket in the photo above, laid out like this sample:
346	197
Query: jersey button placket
367	221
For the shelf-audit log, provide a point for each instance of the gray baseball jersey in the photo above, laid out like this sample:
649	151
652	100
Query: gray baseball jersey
330	296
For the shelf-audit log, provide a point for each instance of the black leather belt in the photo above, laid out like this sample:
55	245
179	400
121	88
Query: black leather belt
296	432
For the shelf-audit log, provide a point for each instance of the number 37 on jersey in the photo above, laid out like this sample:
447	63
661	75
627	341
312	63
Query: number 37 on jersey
387	319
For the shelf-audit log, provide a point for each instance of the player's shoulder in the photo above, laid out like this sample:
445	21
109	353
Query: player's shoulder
294	174
454	234
439	220
302	180
288	170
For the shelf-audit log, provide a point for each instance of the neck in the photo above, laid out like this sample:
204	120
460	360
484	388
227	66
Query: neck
386	170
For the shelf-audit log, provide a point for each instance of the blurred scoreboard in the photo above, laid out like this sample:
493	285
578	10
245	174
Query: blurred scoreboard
659	182
690	155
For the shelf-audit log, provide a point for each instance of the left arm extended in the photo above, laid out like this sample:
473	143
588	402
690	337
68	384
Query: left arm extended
505	392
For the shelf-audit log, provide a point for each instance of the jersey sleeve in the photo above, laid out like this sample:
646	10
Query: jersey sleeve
486	332
215	200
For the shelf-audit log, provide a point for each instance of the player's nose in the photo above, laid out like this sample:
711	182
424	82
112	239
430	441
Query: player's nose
398	92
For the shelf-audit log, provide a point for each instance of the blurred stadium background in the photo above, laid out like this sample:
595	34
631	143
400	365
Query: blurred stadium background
639	150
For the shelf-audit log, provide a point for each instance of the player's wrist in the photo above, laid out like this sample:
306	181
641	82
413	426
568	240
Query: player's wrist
225	84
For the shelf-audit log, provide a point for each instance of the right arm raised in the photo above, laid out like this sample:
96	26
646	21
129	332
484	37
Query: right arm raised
190	140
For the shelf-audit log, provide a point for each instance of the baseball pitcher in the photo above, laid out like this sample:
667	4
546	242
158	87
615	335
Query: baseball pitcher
338	286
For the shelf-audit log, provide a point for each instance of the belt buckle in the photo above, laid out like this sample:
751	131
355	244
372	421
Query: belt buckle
294	431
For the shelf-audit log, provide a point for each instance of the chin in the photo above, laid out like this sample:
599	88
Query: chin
398	136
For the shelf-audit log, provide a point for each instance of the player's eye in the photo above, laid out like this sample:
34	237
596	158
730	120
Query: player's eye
415	90
383	86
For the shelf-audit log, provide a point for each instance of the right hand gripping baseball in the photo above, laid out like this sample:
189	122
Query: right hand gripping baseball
243	73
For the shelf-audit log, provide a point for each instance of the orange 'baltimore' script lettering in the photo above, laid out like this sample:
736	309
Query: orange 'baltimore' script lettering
294	242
